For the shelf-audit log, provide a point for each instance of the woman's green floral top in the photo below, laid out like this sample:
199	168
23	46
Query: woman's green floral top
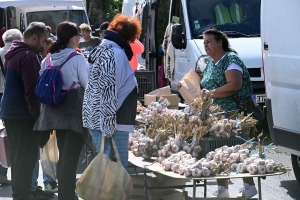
214	77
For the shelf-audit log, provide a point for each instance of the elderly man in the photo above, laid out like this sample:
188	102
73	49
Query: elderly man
20	107
7	37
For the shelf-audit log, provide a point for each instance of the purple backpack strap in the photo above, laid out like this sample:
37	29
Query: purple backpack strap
59	66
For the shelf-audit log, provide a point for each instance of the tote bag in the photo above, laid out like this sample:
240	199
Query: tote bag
49	156
104	179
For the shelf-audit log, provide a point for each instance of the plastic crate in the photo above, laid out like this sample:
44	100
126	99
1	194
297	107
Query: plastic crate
210	144
146	82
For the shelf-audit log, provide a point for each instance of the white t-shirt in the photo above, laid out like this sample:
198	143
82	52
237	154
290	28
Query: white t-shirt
232	66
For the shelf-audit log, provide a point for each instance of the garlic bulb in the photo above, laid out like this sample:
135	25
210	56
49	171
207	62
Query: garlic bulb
162	153
205	172
188	172
225	134
243	157
261	169
197	149
187	149
175	168
233	166
175	148
269	161
197	172
241	167
169	153
181	169
228	127
259	162
167	147
270	168
252	169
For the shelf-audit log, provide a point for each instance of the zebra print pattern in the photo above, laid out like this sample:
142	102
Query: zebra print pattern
100	99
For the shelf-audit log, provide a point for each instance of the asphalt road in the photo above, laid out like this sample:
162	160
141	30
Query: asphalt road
284	187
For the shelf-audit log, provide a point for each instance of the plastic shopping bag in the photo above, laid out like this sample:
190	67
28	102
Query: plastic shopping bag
49	156
104	179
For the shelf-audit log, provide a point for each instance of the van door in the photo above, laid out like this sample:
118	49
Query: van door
184	58
280	33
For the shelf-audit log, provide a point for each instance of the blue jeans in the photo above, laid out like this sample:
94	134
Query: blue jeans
121	140
35	176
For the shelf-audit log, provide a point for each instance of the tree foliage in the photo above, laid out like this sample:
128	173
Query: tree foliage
104	9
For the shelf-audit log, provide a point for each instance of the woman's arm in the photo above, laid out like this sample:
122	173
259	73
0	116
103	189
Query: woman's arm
233	86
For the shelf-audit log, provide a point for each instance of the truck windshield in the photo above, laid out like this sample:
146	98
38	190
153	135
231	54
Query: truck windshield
238	18
54	17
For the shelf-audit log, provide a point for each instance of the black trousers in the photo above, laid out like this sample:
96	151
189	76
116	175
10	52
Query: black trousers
69	145
23	156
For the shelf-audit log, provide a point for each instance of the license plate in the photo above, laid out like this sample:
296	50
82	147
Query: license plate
259	98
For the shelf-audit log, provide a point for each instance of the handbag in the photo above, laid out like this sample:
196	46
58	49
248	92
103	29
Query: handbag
104	179
248	106
49	156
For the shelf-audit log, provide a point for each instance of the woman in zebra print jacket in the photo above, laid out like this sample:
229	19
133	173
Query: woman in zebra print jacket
110	97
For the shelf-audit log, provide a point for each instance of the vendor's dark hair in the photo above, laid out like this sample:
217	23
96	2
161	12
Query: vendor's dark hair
35	28
64	32
219	35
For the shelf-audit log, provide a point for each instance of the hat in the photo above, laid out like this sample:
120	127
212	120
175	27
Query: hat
103	26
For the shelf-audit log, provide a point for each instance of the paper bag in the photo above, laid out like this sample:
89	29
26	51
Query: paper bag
190	86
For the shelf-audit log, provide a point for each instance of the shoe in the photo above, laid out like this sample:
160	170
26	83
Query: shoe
51	187
247	191
221	192
41	193
4	181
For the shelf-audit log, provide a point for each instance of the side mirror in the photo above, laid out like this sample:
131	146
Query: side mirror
177	36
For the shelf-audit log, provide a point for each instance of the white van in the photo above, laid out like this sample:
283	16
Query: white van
198	15
280	41
49	12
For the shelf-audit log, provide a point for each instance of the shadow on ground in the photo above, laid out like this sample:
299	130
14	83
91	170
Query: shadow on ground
292	187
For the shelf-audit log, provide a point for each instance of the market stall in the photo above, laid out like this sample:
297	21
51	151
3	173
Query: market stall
199	143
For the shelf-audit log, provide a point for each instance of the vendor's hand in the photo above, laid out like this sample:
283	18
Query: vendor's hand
203	93
178	86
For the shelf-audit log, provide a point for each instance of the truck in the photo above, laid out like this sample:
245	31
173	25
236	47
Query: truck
19	14
196	16
280	43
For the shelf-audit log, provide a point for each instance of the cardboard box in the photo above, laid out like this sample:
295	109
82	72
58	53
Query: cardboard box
173	99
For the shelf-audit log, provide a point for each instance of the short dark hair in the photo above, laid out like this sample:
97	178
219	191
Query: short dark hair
64	32
35	28
219	35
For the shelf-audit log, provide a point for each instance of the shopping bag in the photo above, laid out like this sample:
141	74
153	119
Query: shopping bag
49	156
104	179
190	86
5	149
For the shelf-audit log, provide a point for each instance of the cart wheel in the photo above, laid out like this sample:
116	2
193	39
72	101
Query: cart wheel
296	166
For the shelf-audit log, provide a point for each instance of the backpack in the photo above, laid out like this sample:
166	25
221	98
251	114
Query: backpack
49	87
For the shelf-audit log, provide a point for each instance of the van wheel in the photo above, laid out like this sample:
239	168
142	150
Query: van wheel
296	166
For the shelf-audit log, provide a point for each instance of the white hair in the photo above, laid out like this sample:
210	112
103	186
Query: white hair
12	34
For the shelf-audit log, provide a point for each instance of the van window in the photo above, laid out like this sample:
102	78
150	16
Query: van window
54	17
238	16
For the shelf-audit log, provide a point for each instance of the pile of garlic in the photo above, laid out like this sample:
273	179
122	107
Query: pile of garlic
185	164
223	128
137	142
224	159
153	109
172	147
